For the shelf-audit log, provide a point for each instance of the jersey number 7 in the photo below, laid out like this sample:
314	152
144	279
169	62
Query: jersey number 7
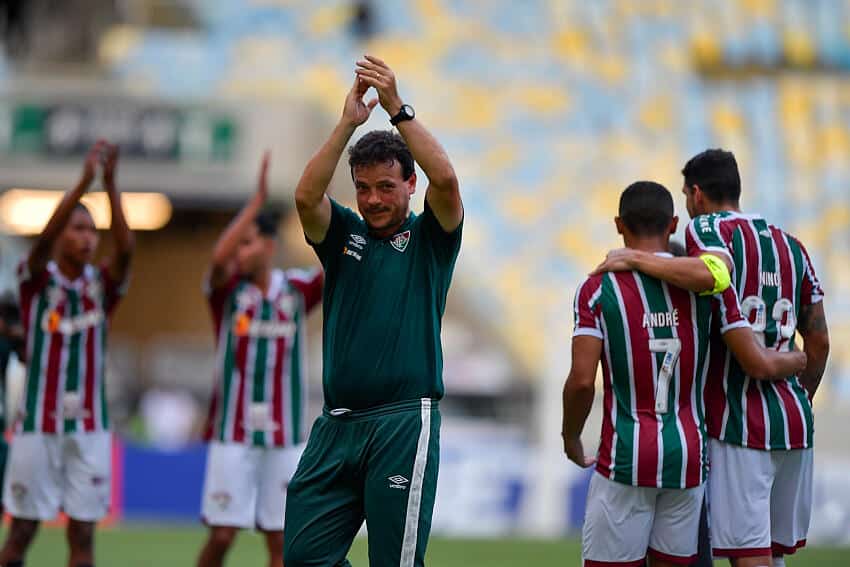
671	349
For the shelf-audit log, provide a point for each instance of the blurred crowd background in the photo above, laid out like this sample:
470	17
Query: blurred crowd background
548	109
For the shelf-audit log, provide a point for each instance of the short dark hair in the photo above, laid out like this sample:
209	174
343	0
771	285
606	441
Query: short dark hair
267	222
381	146
715	171
79	206
646	208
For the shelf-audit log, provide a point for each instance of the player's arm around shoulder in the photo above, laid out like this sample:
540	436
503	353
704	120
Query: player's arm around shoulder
757	361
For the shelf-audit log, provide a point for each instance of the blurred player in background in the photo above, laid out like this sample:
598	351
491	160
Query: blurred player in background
653	341
60	456
256	426
11	343
760	486
373	454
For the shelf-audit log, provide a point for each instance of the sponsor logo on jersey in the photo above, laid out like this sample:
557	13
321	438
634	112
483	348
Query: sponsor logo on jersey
765	233
398	481
771	279
664	319
286	303
244	326
52	322
401	240
349	252
356	241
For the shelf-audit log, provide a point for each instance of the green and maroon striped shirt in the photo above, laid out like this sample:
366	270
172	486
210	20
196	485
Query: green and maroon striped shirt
655	357
773	277
261	391
66	324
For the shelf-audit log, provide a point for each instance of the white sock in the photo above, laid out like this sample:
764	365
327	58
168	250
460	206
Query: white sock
779	561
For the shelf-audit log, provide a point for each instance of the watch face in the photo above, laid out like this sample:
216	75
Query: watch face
408	111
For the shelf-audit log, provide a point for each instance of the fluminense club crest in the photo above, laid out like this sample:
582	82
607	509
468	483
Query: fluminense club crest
401	240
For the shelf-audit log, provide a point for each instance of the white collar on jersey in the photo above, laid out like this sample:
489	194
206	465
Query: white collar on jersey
275	283
87	275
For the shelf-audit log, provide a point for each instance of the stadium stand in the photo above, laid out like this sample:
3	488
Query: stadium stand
550	112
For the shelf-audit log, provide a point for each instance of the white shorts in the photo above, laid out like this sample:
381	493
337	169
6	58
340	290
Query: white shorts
49	472
760	502
245	486
623	523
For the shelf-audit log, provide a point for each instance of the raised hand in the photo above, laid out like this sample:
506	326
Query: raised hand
356	111
262	180
109	162
93	157
375	73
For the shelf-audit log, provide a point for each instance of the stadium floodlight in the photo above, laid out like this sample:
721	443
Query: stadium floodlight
26	211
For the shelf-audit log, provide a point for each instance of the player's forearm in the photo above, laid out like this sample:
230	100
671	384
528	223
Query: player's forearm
314	182
758	362
577	402
225	247
124	240
817	352
687	273
429	154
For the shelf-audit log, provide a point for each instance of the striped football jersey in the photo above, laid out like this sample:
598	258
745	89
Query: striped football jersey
773	277
656	341
66	325
260	394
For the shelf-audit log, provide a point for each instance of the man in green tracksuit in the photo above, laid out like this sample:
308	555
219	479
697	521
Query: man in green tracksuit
374	452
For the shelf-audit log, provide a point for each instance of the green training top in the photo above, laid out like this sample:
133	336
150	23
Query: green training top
383	304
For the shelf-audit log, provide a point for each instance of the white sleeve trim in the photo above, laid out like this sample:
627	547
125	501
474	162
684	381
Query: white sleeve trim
736	325
588	332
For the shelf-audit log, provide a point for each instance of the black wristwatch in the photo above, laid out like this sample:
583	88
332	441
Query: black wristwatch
405	113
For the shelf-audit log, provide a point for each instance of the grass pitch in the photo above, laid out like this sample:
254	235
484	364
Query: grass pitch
177	546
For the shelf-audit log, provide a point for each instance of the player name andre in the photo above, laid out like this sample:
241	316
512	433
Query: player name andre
357	244
663	319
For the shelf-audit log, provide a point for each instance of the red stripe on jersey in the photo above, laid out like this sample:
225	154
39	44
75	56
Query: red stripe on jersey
91	361
755	413
277	385
681	300
752	261
643	383
49	415
796	436
241	363
604	465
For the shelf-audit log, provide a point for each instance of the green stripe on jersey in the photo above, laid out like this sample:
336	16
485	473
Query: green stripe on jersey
229	362
734	430
258	390
770	295
34	374
295	380
621	382
671	464
72	370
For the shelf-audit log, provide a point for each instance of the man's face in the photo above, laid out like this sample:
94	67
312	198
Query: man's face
693	201
254	252
383	197
78	241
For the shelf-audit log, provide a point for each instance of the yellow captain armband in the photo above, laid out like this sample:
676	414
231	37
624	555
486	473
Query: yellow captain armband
718	269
